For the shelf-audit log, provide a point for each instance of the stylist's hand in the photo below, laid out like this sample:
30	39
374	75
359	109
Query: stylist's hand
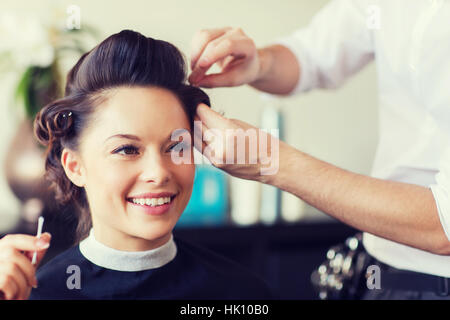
17	274
215	138
233	51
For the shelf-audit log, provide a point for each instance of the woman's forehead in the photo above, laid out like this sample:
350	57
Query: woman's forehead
127	99
140	111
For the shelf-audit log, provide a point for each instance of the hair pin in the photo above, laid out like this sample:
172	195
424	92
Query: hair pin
66	115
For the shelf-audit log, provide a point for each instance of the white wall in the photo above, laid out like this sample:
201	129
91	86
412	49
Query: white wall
337	126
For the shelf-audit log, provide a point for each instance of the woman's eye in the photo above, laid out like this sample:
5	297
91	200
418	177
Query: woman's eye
177	147
127	150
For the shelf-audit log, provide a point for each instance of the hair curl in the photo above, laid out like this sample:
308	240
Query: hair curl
124	59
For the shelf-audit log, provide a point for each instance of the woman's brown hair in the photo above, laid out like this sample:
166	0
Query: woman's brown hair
124	59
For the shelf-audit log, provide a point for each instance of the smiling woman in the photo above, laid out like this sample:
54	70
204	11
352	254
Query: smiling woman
123	162
108	94
109	150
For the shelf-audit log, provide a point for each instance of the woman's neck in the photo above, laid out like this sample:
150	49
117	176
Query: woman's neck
119	240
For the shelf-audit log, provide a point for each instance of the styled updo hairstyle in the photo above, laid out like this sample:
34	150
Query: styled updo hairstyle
124	59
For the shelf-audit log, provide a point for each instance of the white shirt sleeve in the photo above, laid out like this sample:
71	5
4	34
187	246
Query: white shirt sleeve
336	44
441	192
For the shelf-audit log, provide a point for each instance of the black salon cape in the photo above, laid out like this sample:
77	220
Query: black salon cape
195	273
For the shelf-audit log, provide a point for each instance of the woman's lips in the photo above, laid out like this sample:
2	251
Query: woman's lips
156	210
154	195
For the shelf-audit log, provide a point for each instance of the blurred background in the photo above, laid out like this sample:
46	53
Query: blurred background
277	235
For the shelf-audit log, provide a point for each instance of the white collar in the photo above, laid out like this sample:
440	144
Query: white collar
110	258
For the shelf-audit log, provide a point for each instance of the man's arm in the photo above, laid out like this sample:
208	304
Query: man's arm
334	46
400	212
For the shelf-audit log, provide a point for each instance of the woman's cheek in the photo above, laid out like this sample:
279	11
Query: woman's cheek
187	180
188	173
112	180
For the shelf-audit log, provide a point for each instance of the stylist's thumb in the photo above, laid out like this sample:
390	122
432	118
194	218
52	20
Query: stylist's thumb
209	134
212	119
42	245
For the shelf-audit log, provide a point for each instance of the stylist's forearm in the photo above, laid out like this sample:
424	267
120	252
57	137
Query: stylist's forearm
397	211
279	70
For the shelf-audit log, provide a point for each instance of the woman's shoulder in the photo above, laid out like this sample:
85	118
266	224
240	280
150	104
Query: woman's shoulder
61	261
206	257
221	270
52	276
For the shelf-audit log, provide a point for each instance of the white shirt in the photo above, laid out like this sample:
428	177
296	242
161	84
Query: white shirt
410	42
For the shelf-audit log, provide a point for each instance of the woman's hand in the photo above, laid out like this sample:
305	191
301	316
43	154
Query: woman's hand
17	274
233	51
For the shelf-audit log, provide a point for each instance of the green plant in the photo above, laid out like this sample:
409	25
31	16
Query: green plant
34	50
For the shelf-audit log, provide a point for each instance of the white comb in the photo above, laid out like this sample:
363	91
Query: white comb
38	235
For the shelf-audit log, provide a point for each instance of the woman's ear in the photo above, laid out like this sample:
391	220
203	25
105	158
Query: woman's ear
72	165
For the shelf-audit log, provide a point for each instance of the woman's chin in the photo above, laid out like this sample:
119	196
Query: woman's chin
156	232
156	229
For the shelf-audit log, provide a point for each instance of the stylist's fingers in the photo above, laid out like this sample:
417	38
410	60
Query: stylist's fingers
230	50
22	282
235	45
211	130
228	46
199	128
8	287
225	137
17	273
13	282
212	119
44	240
23	242
228	78
19	260
201	40
210	144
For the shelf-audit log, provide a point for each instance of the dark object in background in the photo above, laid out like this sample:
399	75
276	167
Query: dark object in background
343	275
284	255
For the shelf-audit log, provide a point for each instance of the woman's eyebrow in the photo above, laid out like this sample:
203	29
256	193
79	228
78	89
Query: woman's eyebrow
124	136
178	132
133	137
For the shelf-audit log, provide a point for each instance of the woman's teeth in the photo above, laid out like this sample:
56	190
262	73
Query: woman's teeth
151	202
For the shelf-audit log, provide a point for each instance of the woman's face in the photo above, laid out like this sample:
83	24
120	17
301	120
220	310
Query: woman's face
125	160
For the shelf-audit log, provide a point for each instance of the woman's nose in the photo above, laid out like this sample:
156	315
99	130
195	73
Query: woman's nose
156	171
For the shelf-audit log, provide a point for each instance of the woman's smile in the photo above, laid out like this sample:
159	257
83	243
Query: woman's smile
153	203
